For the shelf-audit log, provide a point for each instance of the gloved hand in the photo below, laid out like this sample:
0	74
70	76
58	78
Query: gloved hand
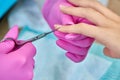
16	63
77	46
75	50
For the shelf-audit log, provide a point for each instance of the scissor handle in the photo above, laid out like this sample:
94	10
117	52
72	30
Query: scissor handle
17	43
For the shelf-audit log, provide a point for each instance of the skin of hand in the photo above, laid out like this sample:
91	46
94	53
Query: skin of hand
16	64
107	29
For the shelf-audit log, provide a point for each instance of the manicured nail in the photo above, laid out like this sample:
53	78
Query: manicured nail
57	26
62	6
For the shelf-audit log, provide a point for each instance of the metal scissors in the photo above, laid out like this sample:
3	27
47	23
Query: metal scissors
20	43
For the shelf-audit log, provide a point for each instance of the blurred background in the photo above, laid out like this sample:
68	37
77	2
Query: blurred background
52	64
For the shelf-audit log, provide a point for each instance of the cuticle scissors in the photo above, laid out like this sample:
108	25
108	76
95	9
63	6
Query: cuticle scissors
20	43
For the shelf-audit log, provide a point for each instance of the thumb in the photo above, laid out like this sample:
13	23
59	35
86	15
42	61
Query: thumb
110	53
7	46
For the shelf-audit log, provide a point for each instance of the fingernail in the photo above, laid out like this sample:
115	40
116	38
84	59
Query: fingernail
62	6
57	26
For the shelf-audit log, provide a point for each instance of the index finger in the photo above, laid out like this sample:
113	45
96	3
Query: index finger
82	28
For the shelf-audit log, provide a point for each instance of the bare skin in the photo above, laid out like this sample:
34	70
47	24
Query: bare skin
107	29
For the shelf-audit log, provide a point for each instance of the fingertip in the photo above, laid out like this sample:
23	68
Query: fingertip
62	7
65	9
60	28
75	58
15	27
12	33
58	42
61	44
57	26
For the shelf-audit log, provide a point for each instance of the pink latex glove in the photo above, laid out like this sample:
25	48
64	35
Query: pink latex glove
16	64
77	46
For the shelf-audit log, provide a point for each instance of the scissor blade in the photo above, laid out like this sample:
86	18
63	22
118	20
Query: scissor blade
41	36
51	31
